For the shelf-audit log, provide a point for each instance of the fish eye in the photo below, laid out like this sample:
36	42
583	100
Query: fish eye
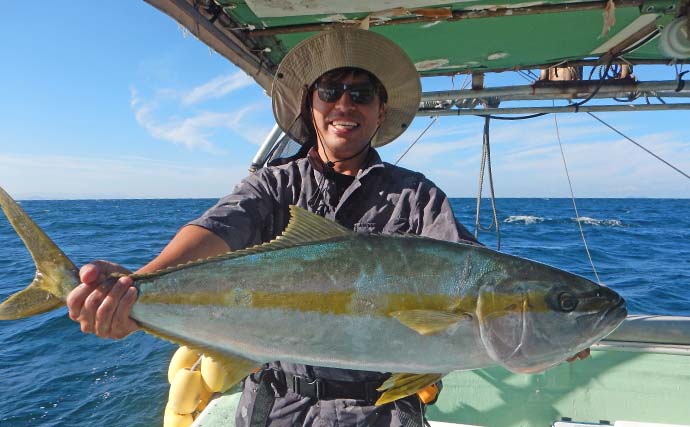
567	302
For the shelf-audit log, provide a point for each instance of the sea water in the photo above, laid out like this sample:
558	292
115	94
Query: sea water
53	375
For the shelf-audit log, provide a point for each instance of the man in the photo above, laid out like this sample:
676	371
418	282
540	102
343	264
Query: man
341	92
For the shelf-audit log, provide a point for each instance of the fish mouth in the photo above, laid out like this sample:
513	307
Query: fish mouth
605	319
614	315
619	306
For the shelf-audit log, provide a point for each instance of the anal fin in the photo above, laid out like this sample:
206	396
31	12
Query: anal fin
403	385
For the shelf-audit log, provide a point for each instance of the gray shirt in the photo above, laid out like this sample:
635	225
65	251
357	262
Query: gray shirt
383	198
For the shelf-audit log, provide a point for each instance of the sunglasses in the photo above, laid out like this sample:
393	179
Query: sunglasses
361	93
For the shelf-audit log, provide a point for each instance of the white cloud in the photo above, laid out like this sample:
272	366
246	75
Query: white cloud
217	88
423	155
197	129
443	128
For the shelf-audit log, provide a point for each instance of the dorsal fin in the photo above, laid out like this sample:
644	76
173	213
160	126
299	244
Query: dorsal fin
303	228
308	227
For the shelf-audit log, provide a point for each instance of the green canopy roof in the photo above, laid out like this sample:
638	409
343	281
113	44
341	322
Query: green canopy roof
441	38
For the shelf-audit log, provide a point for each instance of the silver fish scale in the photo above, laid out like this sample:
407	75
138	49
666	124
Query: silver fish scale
369	267
256	306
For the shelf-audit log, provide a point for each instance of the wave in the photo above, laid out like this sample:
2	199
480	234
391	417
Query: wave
599	222
525	219
533	219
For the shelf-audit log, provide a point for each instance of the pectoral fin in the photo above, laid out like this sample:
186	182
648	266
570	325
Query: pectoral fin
403	385
429	322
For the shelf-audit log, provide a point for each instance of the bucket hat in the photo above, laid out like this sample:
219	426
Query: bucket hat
339	48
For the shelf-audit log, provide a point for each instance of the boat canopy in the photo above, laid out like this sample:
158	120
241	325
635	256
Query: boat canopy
447	38
555	38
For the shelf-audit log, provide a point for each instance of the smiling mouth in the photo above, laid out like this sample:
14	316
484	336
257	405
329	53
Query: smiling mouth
344	124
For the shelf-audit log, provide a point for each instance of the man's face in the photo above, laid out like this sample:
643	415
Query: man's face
345	125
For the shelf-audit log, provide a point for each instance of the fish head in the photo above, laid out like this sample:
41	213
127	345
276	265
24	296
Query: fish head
531	323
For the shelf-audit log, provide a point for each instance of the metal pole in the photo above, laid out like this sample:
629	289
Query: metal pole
547	110
562	90
262	154
224	42
570	63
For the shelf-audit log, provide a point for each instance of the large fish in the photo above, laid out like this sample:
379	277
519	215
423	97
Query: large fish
321	295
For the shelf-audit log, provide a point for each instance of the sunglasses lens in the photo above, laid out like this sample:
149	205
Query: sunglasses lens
362	94
330	92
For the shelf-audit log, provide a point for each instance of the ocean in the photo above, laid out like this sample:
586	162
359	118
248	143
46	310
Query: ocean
53	375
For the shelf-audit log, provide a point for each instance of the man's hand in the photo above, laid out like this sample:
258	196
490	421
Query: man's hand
580	356
101	304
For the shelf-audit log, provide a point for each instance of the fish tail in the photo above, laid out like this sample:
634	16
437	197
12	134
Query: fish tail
55	276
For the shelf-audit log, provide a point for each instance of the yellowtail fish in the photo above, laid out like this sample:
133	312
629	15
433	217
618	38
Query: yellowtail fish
321	295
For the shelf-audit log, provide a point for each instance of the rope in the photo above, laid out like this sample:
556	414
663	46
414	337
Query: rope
679	77
486	161
639	145
477	225
572	197
416	140
525	76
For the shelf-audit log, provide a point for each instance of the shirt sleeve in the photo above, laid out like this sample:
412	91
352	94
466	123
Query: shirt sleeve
240	217
435	216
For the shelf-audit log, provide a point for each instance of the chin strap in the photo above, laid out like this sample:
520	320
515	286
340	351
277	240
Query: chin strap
328	167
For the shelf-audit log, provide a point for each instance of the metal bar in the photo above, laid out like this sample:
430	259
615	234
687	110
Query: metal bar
639	347
573	63
598	95
228	45
457	16
543	90
547	110
266	147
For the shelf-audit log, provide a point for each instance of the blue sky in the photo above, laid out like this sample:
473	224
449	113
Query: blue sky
119	102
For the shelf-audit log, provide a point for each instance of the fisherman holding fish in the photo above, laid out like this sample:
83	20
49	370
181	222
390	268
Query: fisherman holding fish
340	94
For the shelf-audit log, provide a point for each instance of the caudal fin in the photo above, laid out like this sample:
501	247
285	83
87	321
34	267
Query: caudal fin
55	276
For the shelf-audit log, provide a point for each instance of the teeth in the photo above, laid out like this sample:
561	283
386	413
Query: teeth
345	124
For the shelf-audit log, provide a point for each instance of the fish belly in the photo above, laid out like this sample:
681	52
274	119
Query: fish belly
337	341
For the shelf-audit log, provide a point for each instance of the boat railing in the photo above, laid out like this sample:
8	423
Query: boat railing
650	333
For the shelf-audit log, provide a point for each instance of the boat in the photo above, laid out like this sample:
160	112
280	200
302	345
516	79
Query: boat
640	374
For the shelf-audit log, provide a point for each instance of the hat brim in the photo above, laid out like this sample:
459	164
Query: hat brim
340	48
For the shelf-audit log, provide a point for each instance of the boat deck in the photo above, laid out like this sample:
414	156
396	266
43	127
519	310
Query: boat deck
638	377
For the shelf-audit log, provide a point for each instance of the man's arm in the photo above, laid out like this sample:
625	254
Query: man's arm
190	244
102	305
